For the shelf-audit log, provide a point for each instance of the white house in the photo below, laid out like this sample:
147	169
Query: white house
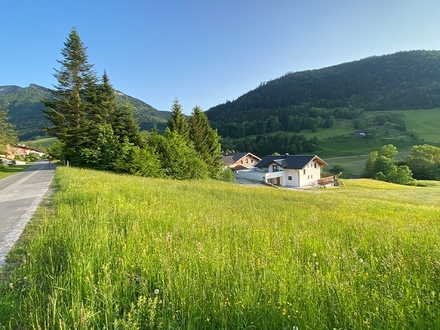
285	170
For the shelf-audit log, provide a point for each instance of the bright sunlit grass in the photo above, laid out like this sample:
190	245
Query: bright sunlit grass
119	252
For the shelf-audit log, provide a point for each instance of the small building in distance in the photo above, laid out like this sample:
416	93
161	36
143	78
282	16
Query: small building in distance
239	160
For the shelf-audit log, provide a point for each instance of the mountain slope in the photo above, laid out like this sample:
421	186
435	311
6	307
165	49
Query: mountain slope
8	89
404	80
24	106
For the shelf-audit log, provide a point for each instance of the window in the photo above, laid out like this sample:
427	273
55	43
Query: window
247	160
241	162
252	161
308	176
289	178
304	171
316	165
311	176
275	168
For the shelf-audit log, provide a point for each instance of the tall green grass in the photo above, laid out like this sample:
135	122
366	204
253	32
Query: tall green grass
119	252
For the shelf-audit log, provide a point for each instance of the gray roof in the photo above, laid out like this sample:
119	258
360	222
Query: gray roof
289	161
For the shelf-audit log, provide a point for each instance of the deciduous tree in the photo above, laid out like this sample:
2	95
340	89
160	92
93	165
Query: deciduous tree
424	162
389	151
381	165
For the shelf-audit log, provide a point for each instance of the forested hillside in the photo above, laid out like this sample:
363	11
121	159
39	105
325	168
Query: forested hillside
314	99
24	109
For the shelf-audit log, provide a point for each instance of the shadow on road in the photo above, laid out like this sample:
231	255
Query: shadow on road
41	166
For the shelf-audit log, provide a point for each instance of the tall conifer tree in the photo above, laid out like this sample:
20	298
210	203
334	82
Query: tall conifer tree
206	141
125	125
177	121
102	101
67	108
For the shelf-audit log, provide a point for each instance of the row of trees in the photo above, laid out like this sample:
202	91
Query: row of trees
95	132
423	163
238	123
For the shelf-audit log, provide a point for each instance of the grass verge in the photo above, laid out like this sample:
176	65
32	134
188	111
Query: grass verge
10	170
119	252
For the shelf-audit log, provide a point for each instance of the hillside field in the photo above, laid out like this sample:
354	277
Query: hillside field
46	142
426	123
119	252
351	152
336	142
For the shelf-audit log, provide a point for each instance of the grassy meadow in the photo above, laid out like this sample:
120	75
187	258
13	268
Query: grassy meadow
45	142
119	252
425	123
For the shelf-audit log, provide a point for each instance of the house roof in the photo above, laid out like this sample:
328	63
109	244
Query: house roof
231	159
295	162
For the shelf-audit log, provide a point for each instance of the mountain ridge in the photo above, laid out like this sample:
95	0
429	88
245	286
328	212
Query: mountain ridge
398	81
8	89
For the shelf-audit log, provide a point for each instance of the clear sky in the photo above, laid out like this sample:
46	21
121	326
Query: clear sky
205	52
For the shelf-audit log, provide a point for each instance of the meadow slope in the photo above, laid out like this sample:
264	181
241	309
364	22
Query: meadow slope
120	252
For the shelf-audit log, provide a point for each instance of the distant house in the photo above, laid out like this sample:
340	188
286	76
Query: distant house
285	170
22	150
239	160
10	151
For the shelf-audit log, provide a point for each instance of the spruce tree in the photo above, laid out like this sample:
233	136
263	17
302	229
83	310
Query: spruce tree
125	125
67	107
177	121
105	110
102	101
206	141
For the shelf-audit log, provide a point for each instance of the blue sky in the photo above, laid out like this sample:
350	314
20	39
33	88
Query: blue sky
210	51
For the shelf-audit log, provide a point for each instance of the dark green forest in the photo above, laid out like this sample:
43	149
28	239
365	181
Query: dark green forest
24	109
315	99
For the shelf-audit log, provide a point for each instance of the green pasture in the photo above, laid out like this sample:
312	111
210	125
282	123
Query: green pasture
351	165
426	123
44	142
120	252
336	142
9	170
354	165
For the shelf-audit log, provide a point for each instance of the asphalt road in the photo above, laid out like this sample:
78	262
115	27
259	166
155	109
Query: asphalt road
20	195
